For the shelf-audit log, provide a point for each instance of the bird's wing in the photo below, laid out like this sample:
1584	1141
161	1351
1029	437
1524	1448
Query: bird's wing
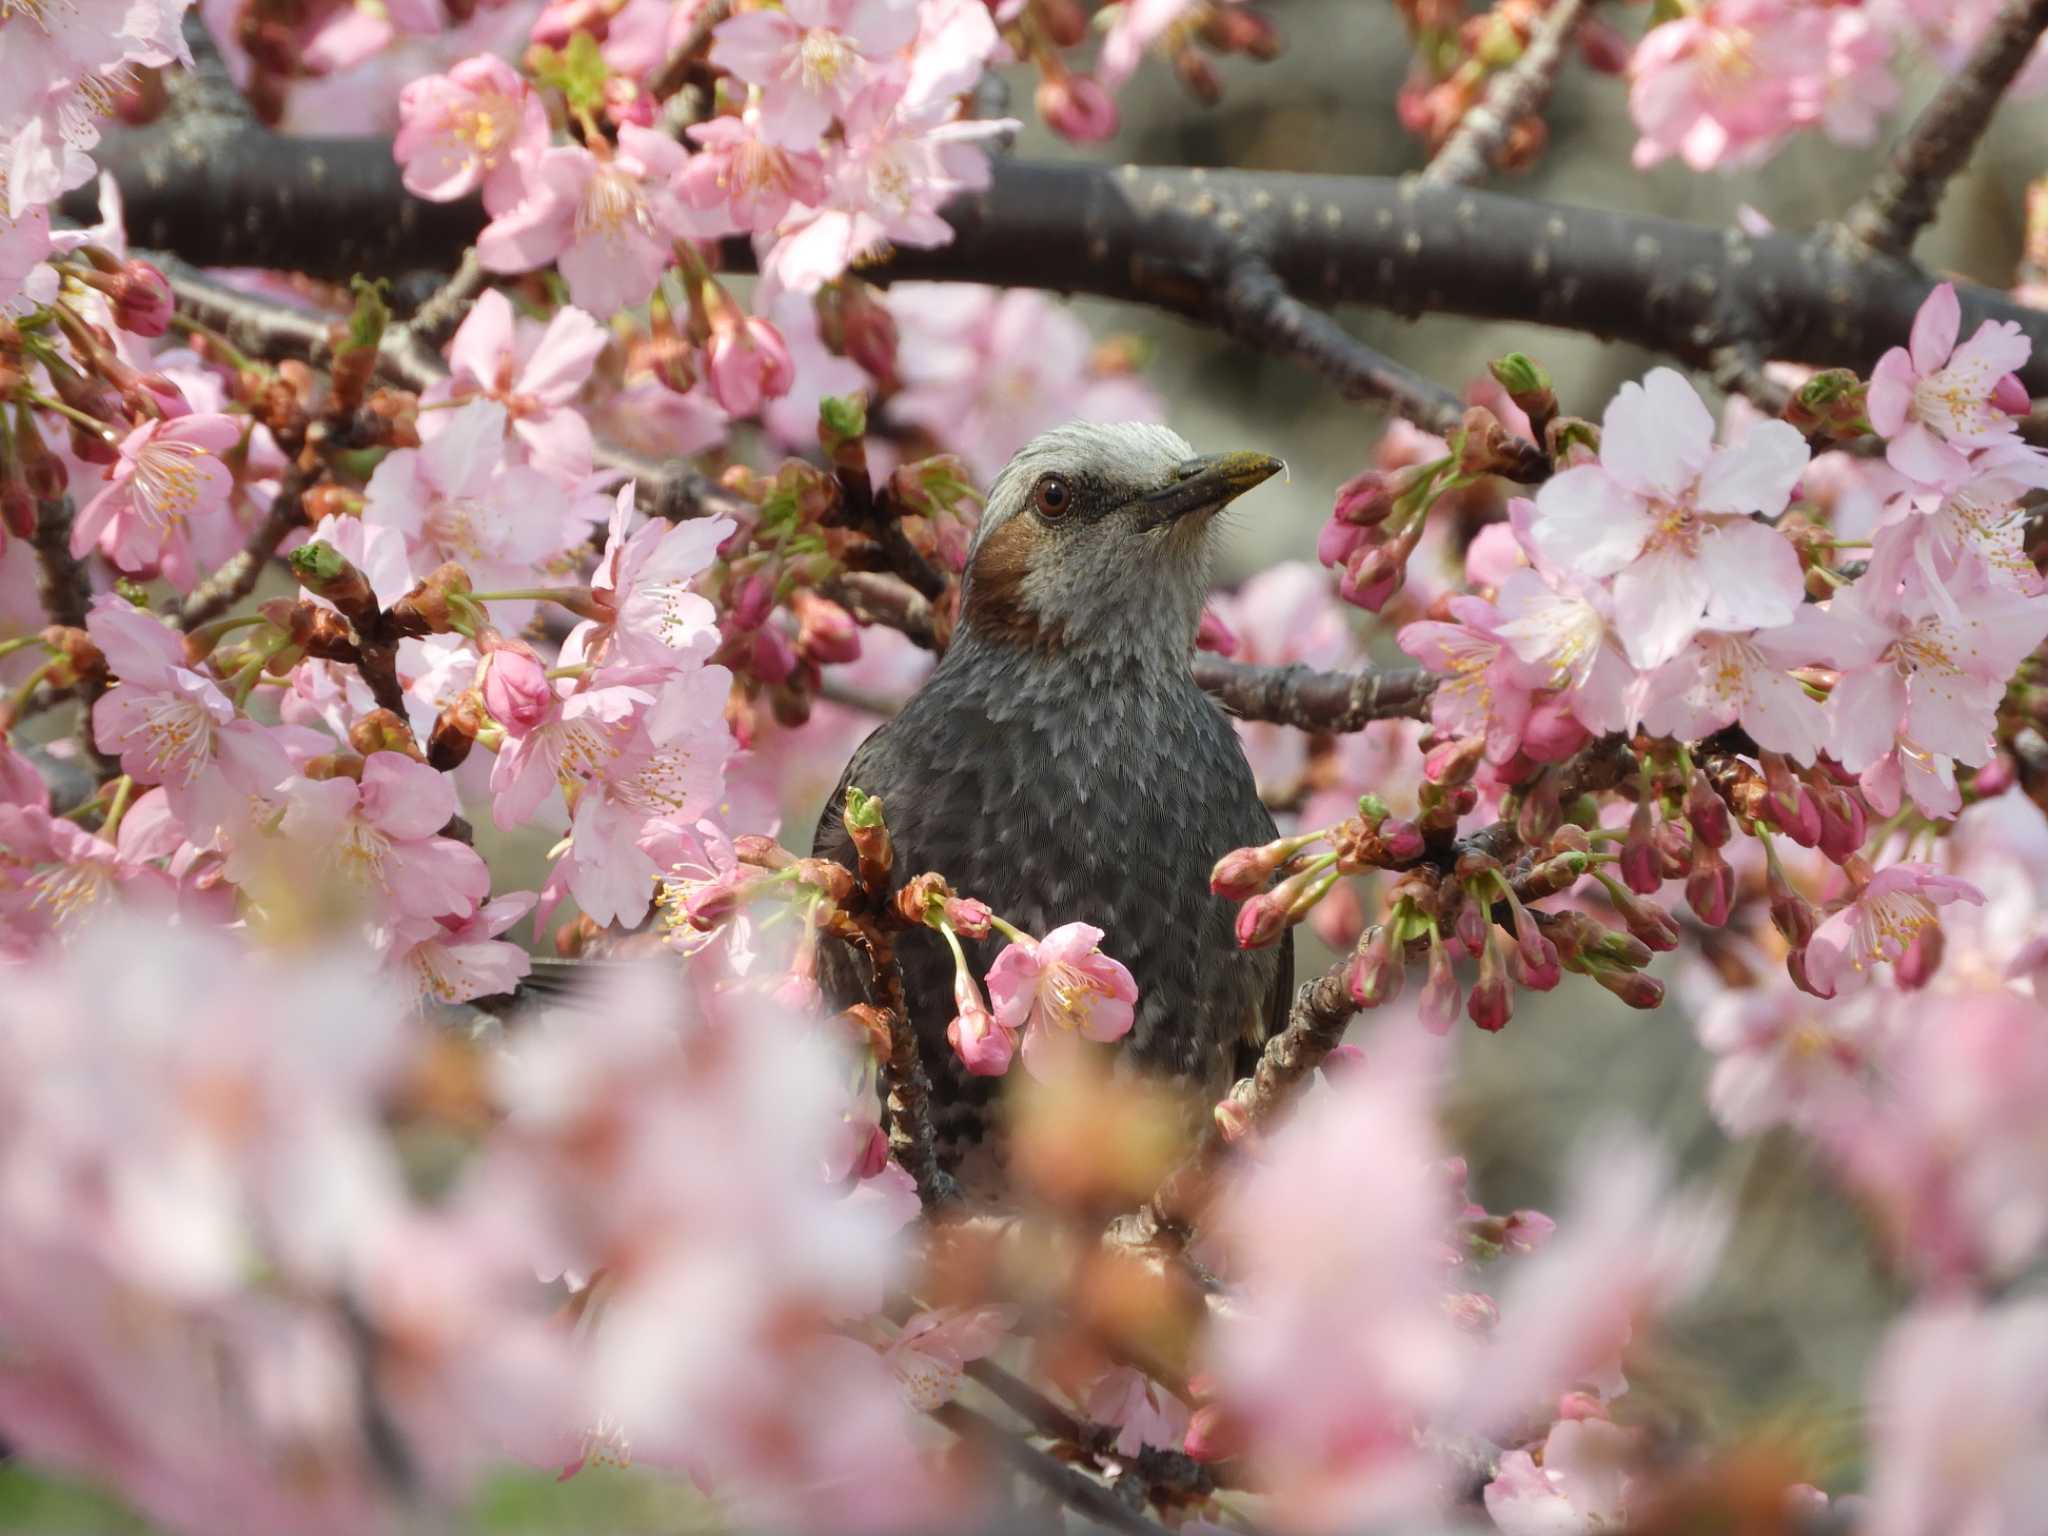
1279	1002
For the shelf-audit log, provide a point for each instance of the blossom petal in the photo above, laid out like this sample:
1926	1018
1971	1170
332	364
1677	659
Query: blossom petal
1656	436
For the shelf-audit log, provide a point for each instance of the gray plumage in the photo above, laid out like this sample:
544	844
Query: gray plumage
1062	765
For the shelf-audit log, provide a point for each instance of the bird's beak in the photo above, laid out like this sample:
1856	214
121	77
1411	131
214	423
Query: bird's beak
1206	483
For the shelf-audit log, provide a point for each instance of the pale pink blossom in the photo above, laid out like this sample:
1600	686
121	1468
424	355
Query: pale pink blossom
1057	989
1582	1485
984	1047
1958	1411
650	616
535	373
559	745
1922	673
1667	514
812	59
1937	402
1969	534
1723	679
929	1352
985	370
1884	920
1486	689
1138	25
479	125
1142	1412
379	838
1565	641
166	500
452	959
747	363
1859	88
740	182
1787	1058
885	186
1720	85
607	225
24	245
455	498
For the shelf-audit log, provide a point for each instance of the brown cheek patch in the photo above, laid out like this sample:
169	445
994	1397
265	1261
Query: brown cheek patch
996	604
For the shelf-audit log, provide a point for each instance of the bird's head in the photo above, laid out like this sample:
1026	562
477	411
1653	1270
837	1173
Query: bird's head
1096	537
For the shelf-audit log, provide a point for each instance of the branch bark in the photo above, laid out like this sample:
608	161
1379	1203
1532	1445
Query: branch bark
1514	93
1071	1487
1942	138
238	577
1325	702
1168	238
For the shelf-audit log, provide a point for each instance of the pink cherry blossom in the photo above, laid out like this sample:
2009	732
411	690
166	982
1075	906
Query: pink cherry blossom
166	499
1957	1404
1139	24
747	363
1563	637
1860	87
984	1047
453	959
1486	689
1938	402
516	689
535	373
1142	1412
479	125
1723	679
740	182
929	1351
1058	988
454	498
985	370
379	837
1881	924
1786	1058
24	245
1668	515
558	745
1720	85
1923	670
1581	1486
650	615
607	225
811	59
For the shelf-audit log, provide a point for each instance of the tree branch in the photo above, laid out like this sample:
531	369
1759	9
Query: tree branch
1903	201
1071	1487
238	577
911	1138
1325	702
1515	93
442	314
1169	238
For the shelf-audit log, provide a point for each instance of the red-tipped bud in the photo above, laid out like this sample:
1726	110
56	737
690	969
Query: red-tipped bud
1401	839
1706	811
1710	886
826	632
970	918
1076	107
1632	987
771	657
1376	970
1454	762
984	1046
1492	1002
1363	501
516	688
1243	872
2010	396
1260	921
1539	973
1645	919
1641	869
1843	821
1916	967
142	300
1441	995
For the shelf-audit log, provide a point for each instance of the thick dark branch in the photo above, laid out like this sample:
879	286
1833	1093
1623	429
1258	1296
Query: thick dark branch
1514	93
62	584
1169	238
1944	135
1325	702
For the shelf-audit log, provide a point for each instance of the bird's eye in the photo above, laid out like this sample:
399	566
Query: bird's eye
1052	496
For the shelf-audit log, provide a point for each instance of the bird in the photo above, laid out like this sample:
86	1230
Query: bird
1061	765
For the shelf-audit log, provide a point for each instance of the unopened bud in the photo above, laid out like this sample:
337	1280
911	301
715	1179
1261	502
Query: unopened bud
1243	872
761	851
1233	1120
142	300
1710	886
1441	995
827	876
1454	762
1706	811
826	632
1632	987
383	731
1641	868
971	919
921	901
1376	969
1076	107
1537	972
453	734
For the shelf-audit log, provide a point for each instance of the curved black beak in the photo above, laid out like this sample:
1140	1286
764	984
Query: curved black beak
1204	484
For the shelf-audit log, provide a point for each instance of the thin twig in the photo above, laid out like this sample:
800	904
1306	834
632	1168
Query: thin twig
445	308
1909	189
875	597
1156	1466
1070	1486
66	594
680	108
909	1102
1514	93
1324	702
237	578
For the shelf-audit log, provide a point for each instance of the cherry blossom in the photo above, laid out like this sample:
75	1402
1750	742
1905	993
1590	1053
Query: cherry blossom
1723	679
453	959
1786	1058
929	1352
1938	402
741	182
1668	516
535	373
1564	638
1721	84
649	615
1140	1411
1888	915
607	225
166	500
811	59
380	838
1581	1486
479	125
1486	689
1057	988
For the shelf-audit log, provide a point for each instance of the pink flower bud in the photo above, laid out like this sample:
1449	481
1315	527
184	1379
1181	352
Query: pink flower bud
1471	925
1632	987
1710	887
142	300
1552	733
826	632
1454	762
970	918
1996	776
516	688
1376	970
1215	635
1243	872
2010	396
983	1045
1363	501
1441	995
1540	974
1402	840
1076	107
874	1154
1260	921
1527	1231
1641	870
1916	967
1338	542
749	607
748	365
1706	811
1843	821
1491	1004
1233	1121
774	658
